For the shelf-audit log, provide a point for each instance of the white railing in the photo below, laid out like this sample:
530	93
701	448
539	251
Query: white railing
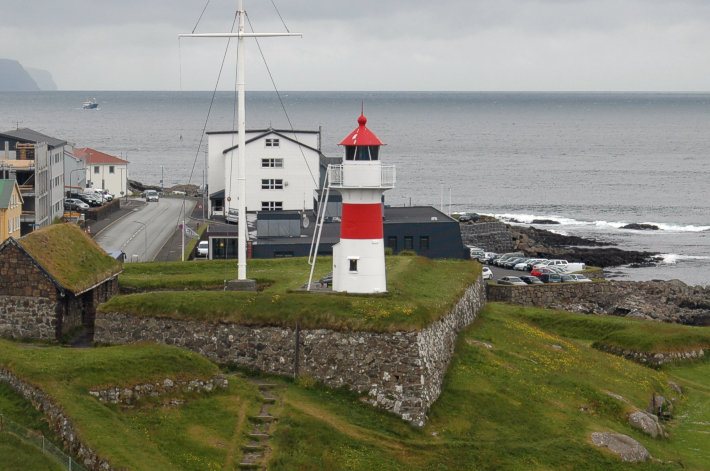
338	178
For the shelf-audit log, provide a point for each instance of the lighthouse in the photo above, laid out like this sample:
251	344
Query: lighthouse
359	257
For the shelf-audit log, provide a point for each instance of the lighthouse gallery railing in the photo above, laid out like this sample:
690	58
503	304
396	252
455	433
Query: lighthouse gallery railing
336	175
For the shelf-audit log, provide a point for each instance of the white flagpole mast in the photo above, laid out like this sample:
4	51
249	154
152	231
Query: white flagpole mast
241	118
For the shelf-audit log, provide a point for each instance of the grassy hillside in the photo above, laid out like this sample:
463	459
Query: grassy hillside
517	396
14	452
420	290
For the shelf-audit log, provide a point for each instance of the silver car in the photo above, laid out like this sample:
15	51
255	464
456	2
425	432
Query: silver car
232	216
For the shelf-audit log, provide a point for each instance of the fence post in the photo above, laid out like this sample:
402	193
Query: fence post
69	462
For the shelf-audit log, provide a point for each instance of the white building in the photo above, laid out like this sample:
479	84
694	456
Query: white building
104	171
282	170
37	163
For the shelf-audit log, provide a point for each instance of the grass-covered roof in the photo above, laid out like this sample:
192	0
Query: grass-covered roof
70	256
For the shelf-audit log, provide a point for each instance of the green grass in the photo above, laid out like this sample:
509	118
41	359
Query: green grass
148	436
528	403
420	290
632	334
18	454
70	256
522	405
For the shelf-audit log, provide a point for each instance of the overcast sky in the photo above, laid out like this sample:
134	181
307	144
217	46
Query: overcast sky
595	45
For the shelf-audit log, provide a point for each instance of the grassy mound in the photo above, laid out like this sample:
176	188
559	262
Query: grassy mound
420	290
622	332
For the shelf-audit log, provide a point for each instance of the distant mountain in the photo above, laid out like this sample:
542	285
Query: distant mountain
43	78
14	78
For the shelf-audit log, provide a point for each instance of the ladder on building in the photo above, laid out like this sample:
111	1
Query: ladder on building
315	241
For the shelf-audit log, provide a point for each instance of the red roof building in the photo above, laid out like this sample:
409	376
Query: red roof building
104	171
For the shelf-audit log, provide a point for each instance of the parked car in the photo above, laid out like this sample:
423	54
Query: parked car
151	195
522	265
580	278
487	273
203	248
488	257
92	200
567	279
232	216
550	278
75	204
531	280
540	271
511	280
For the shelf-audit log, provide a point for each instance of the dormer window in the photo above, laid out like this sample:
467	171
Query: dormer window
272	143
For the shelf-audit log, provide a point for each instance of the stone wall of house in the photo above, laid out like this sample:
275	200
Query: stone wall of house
58	422
492	236
399	371
23	317
19	276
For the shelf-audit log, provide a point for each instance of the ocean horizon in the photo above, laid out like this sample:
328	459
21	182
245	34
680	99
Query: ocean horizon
591	161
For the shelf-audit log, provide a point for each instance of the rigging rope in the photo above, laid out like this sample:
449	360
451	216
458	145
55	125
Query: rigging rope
209	111
283	106
198	19
279	13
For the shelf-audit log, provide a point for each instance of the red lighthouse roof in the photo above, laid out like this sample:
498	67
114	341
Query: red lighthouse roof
361	136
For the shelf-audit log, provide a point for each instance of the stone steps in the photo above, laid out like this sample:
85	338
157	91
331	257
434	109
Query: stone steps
257	451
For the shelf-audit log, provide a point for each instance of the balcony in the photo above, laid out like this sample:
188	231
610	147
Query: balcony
27	216
359	174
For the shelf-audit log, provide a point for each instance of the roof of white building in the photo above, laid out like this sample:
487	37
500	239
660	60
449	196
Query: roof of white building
93	156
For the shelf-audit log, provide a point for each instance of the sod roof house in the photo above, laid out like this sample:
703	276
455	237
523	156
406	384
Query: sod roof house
51	282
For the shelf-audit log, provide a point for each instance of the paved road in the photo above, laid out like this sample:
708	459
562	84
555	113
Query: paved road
143	232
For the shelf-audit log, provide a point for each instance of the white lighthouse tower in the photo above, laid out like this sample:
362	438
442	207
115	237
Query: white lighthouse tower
359	257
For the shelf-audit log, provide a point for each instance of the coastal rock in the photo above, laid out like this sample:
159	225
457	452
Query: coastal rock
545	244
626	447
647	423
667	301
641	227
544	221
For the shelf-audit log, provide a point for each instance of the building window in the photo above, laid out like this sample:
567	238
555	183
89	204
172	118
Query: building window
272	205
392	243
272	184
272	142
423	242
96	169
272	163
111	169
353	264
408	243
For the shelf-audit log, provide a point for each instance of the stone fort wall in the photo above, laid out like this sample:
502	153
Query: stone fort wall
399	371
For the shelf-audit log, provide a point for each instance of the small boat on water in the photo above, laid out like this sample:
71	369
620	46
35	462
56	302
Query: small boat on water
91	104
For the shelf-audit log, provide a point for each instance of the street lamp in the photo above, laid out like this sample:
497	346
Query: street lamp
145	247
71	173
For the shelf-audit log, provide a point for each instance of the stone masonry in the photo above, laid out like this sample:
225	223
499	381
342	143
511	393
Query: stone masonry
57	422
398	371
492	236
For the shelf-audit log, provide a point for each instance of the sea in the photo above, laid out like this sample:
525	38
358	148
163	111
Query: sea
592	162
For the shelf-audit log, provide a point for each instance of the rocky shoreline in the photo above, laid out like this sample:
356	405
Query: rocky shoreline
545	244
666	301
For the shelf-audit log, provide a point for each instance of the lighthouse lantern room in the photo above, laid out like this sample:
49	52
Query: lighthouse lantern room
359	257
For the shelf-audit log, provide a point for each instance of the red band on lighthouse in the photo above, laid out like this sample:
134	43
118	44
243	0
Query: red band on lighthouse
361	221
